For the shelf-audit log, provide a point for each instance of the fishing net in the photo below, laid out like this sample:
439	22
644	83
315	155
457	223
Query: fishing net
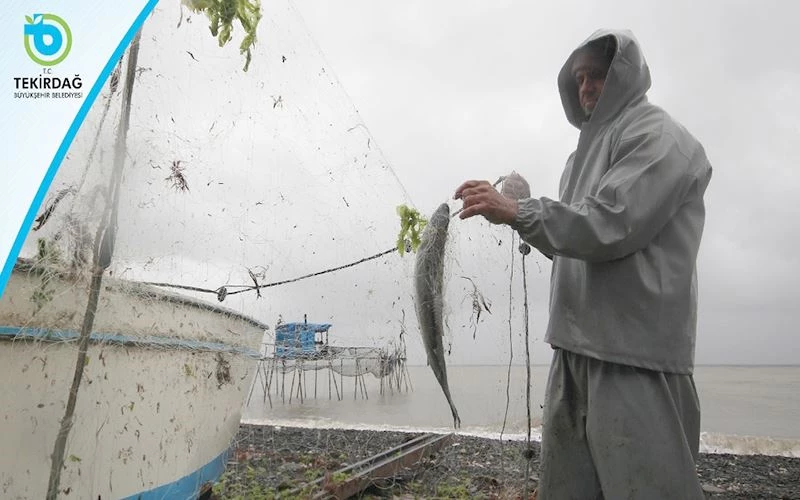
199	206
190	191
231	181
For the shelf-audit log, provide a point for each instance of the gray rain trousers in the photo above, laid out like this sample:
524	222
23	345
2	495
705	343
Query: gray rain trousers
617	432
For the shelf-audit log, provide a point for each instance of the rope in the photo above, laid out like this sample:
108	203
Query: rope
525	249
511	352
223	292
103	250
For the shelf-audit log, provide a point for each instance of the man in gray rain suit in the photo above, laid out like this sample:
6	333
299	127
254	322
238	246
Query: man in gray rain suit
621	415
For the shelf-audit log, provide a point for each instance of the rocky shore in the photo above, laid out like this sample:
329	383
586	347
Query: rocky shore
276	462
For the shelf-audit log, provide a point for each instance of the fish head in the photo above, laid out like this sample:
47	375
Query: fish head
441	217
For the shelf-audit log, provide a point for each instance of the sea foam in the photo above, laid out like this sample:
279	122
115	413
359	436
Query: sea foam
709	442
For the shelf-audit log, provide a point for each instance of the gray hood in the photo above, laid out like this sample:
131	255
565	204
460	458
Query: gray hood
625	232
627	82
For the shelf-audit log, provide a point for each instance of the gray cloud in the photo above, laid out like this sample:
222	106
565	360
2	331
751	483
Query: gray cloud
447	91
457	90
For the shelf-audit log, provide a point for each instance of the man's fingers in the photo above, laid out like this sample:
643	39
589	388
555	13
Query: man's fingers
470	211
467	186
472	197
480	198
480	189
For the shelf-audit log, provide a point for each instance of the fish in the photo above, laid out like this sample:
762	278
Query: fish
428	284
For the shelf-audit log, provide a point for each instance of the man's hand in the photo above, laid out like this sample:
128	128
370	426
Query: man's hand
480	198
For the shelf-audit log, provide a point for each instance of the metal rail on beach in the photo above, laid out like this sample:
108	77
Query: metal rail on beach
355	478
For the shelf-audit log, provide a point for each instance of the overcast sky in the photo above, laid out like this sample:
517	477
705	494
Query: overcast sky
287	163
452	90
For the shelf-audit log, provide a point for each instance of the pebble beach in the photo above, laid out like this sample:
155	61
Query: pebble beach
276	462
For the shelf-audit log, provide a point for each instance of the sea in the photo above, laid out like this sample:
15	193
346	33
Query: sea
745	409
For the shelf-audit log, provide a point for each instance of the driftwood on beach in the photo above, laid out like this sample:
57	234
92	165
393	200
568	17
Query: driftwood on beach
271	461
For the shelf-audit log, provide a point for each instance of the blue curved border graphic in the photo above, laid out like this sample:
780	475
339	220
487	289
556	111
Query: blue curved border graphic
65	144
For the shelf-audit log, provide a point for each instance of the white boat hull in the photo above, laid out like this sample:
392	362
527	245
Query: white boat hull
158	405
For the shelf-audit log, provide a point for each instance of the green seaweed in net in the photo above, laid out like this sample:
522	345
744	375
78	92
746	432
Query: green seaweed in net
222	13
411	226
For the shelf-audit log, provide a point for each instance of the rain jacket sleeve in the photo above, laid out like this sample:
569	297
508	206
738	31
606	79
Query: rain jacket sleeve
650	177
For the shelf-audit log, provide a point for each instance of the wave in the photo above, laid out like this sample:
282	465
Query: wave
709	442
748	445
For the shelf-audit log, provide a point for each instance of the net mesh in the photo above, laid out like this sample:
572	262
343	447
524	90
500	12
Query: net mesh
232	179
224	184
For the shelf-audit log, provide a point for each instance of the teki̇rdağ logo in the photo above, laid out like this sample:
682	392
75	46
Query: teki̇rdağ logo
48	41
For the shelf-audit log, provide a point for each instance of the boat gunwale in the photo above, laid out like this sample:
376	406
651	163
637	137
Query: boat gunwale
15	334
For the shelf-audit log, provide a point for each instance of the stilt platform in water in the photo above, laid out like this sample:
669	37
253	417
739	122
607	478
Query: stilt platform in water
301	348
